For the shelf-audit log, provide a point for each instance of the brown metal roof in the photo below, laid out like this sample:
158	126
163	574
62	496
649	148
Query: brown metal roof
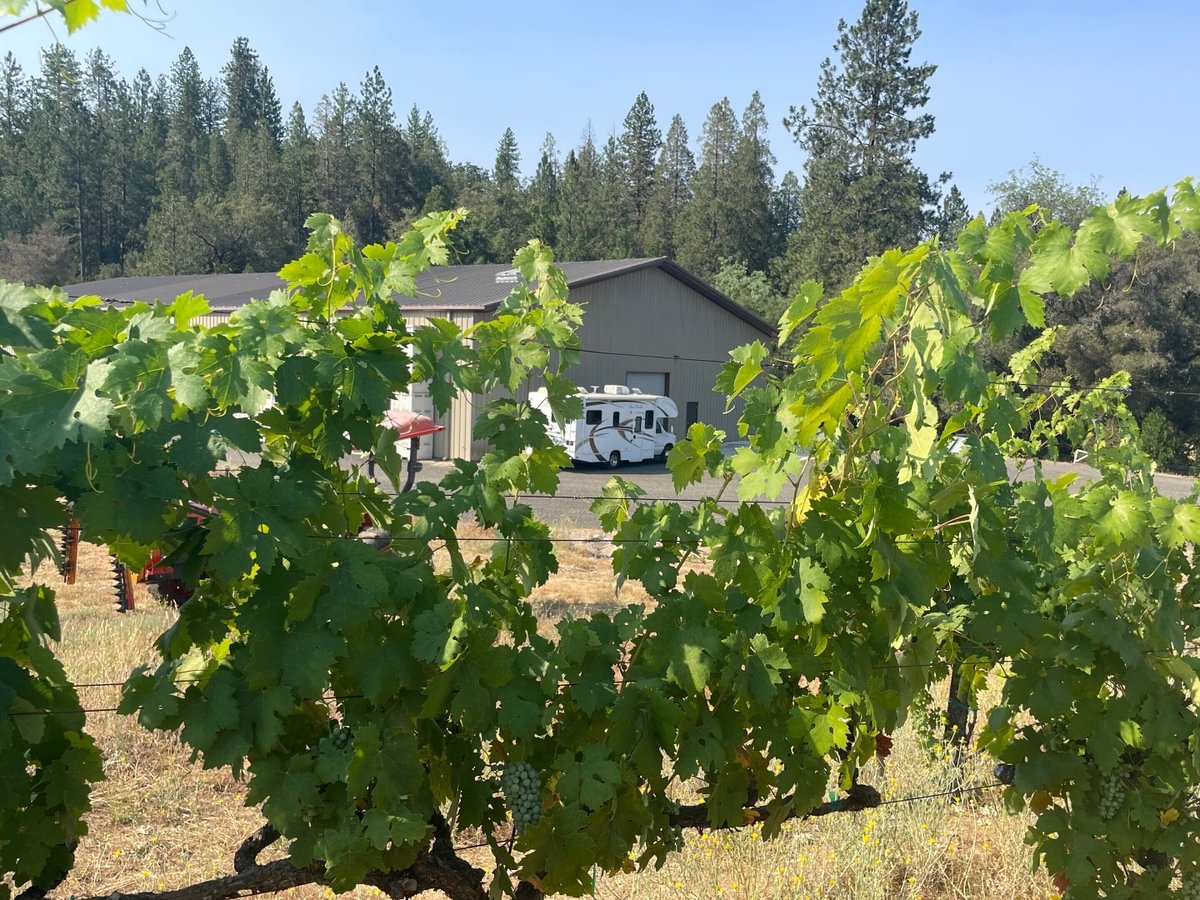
442	288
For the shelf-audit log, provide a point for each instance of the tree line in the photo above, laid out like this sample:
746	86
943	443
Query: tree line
183	173
103	176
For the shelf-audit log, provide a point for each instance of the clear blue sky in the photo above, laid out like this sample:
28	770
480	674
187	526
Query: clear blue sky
1094	88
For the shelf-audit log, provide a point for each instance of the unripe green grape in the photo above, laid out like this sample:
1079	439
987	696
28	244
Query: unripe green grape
522	789
1112	792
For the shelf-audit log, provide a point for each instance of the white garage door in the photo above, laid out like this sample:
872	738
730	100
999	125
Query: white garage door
648	382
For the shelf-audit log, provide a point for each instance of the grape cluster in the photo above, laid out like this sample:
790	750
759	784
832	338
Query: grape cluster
1189	889
340	735
1112	792
523	792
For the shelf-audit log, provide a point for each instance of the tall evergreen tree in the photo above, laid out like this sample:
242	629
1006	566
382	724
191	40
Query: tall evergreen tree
709	225
785	212
580	224
471	186
543	194
112	137
428	166
241	81
640	143
753	184
505	216
862	191
672	192
616	238
298	170
270	111
186	164
19	206
333	127
953	214
379	154
61	143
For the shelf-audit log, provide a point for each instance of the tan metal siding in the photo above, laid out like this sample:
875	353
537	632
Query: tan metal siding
456	441
647	321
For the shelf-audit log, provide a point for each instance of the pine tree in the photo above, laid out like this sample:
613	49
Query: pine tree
380	160
270	112
61	142
19	206
298	169
786	213
429	169
709	225
953	214
862	191
640	144
580	226
333	129
672	192
753	177
615	237
111	165
241	88
185	165
543	194
504	215
251	137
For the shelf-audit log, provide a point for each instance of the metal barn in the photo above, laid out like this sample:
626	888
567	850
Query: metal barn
648	323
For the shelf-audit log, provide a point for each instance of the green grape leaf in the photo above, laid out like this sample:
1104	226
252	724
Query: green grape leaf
745	367
813	586
696	455
1183	527
589	778
822	729
188	306
693	652
728	797
1114	229
1033	306
1063	262
1124	521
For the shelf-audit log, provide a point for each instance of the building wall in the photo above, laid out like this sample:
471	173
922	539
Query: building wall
649	322
643	322
459	420
455	442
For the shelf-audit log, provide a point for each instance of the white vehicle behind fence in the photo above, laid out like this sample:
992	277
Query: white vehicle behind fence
619	424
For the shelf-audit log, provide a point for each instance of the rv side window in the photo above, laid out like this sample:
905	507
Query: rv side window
616	420
592	417
637	424
649	418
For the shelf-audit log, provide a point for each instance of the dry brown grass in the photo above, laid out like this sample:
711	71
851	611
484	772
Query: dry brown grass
161	821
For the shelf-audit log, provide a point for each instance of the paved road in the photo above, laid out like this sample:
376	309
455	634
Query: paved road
1175	486
579	486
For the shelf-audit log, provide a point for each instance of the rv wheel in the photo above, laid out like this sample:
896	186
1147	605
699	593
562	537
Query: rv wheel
667	451
614	459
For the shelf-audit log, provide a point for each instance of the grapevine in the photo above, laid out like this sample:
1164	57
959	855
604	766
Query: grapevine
811	626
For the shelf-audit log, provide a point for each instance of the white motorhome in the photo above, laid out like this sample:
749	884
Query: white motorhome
619	424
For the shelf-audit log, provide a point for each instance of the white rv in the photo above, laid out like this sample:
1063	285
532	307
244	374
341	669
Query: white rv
619	424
